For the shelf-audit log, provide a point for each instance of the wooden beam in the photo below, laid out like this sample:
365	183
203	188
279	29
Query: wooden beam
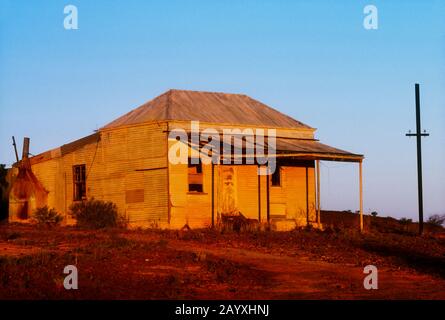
15	149
259	195
151	169
361	195
307	195
169	204
213	195
25	152
317	164
268	195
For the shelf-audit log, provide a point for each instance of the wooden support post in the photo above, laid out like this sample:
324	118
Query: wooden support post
307	196
213	195
259	195
268	195
317	164
25	152
167	165
361	195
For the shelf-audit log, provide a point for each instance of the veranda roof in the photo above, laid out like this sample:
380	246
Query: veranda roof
305	149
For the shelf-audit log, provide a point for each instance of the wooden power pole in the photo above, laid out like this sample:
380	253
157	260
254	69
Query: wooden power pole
418	136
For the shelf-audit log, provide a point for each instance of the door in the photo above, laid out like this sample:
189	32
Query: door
228	202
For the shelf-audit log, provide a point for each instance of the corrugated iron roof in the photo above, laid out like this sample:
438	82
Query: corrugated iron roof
213	107
66	148
285	145
291	147
79	143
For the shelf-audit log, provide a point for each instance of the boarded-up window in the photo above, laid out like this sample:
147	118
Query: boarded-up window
276	177
79	183
195	177
134	196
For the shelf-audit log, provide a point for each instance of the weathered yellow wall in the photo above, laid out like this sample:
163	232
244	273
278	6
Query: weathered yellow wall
293	193
48	173
190	208
120	163
287	202
136	159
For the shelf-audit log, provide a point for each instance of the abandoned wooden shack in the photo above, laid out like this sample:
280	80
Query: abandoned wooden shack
127	162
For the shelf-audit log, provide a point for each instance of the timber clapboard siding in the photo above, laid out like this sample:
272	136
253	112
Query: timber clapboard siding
127	163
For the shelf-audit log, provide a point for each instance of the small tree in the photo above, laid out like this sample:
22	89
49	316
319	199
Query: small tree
47	217
374	213
436	219
96	214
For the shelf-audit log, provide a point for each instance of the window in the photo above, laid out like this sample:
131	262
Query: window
195	177
79	183
276	177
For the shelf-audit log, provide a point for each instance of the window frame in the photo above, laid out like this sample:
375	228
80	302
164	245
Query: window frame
199	172
79	179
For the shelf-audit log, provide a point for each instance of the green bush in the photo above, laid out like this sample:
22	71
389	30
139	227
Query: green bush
47	217
96	214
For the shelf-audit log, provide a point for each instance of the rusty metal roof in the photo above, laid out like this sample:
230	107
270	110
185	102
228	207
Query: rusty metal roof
213	107
309	149
313	149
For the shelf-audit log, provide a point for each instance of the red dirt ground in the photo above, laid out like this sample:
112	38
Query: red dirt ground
206	264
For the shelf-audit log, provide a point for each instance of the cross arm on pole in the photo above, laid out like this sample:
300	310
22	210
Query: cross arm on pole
417	134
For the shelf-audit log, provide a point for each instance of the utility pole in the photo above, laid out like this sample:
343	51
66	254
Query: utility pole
419	136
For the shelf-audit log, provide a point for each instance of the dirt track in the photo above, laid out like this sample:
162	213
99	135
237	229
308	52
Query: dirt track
302	278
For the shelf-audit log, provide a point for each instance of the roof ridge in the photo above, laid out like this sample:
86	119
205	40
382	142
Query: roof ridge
207	92
214	107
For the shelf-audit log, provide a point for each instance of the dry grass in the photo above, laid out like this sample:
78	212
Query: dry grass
205	264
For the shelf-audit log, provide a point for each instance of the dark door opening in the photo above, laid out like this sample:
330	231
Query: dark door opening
23	213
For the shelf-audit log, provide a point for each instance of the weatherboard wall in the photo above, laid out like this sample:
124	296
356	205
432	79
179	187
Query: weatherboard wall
126	166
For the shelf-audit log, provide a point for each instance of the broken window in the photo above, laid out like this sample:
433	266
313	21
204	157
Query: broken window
195	177
79	181
276	177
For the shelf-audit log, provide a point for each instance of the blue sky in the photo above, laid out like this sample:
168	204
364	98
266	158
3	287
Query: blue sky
311	60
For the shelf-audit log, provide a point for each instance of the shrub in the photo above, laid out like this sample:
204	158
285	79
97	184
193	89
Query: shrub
436	219
405	221
96	214
47	217
374	213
